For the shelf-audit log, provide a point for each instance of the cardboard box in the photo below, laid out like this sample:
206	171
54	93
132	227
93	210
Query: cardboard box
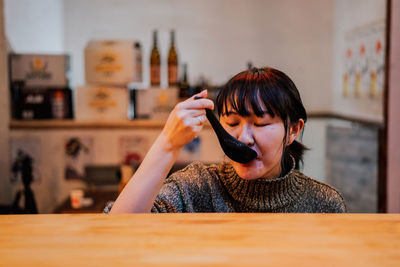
101	103
114	63
39	70
152	103
44	103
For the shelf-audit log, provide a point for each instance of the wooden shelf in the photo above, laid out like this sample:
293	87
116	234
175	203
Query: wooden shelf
72	124
146	124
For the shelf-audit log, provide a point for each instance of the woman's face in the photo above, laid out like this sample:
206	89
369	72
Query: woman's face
264	135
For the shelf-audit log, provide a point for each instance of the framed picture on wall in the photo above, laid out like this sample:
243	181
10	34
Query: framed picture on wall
78	154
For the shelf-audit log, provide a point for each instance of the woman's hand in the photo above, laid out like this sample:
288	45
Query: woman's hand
186	121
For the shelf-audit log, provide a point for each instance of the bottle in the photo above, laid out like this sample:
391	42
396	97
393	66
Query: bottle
249	65
184	85
172	62
155	63
138	63
17	87
57	105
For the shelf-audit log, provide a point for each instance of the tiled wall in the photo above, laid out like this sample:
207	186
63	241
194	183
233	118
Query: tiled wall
352	164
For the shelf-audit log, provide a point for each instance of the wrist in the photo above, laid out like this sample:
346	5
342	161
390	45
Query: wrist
166	144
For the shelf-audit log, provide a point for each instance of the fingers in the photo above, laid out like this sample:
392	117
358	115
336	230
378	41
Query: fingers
186	121
200	119
185	113
200	103
196	104
202	94
192	119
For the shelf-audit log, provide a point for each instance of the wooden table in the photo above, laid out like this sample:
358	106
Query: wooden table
200	240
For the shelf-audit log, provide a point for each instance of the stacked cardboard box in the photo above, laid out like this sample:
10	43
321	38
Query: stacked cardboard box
39	86
109	67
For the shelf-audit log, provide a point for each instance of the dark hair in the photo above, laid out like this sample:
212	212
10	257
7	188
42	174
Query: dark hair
279	96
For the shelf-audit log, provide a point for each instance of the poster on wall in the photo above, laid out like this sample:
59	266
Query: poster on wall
133	148
364	62
25	158
78	154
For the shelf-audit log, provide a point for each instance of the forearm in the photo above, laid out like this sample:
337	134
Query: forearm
141	191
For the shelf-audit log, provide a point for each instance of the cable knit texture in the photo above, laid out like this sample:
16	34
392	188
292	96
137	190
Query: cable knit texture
217	188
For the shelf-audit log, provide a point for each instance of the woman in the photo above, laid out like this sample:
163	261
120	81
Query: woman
263	109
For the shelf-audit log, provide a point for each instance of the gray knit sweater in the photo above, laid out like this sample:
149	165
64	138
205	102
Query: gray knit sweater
217	188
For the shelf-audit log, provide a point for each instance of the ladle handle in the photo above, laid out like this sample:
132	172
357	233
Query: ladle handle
219	130
211	117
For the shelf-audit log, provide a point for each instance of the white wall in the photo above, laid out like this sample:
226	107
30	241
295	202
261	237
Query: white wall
34	26
216	38
26	26
314	137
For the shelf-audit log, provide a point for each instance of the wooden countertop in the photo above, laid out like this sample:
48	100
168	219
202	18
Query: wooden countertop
200	239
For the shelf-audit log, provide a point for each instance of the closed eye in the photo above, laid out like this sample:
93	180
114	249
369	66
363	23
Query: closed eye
232	124
261	124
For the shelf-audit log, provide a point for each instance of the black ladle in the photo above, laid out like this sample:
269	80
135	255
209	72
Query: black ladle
233	148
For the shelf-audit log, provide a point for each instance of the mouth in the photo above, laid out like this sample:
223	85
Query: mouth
247	164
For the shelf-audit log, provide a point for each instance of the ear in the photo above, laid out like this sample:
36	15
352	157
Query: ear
294	131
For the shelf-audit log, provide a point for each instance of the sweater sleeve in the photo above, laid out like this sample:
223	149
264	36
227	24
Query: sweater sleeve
329	200
186	190
169	199
320	197
182	191
336	203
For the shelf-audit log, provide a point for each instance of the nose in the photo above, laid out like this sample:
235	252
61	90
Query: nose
246	135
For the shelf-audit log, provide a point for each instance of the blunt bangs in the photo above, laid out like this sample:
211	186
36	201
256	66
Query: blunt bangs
244	95
278	95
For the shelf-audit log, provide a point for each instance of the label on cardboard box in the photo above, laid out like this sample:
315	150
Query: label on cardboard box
115	63
101	103
40	70
155	103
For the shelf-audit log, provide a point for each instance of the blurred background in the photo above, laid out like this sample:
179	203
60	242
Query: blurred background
87	86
